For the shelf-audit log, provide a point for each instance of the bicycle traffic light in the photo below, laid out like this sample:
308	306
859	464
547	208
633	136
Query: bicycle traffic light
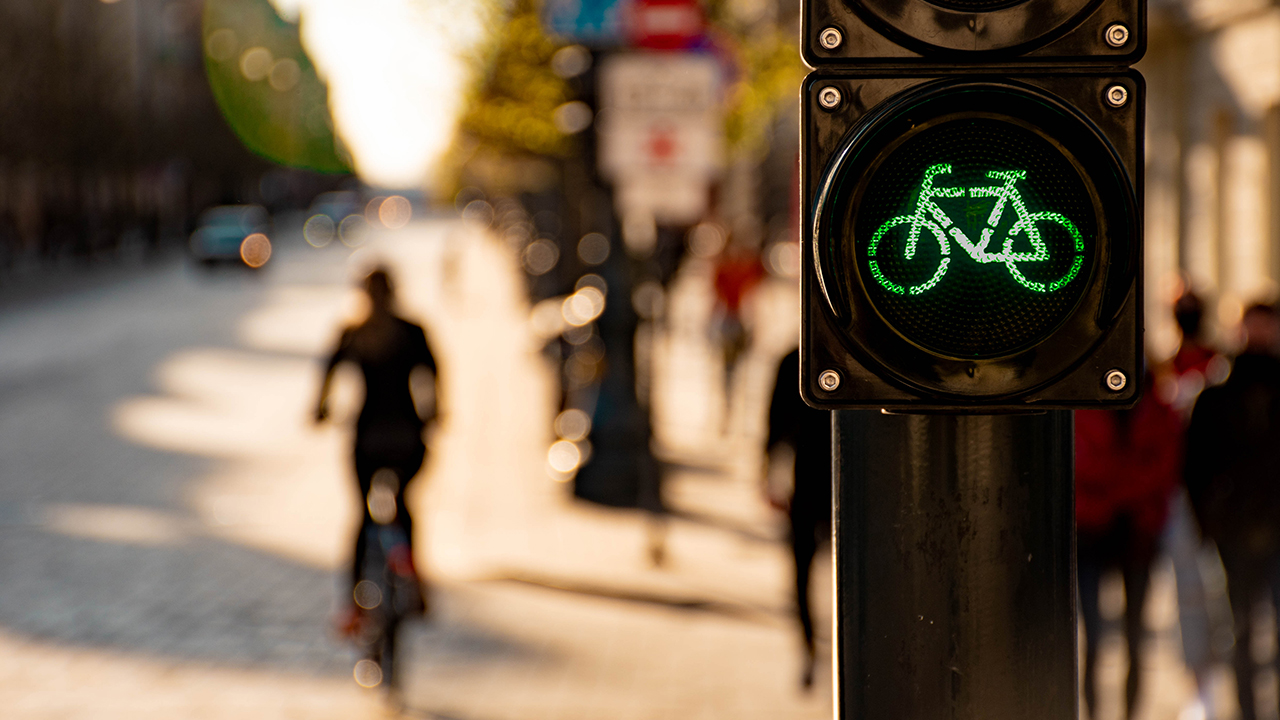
972	185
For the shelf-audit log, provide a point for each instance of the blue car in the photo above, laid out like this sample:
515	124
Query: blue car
232	233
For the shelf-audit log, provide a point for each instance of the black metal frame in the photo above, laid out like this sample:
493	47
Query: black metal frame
916	31
877	367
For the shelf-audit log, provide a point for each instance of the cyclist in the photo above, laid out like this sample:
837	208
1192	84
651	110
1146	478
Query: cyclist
388	350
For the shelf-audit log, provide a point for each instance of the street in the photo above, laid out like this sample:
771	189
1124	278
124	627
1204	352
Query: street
175	531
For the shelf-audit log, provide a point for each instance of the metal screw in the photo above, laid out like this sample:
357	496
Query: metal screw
1117	35
829	380
1117	96
1116	380
829	98
830	38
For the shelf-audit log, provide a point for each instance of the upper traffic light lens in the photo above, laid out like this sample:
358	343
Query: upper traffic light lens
974	236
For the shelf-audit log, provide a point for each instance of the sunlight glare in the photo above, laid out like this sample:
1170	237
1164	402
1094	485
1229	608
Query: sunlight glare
396	77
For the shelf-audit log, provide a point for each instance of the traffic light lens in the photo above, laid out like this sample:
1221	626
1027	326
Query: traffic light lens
974	237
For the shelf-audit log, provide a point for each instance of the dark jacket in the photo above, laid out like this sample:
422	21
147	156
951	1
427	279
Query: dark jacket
808	431
1233	458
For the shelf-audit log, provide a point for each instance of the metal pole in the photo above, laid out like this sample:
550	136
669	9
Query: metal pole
955	582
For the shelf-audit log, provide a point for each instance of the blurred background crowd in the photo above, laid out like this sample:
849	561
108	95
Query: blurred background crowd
591	206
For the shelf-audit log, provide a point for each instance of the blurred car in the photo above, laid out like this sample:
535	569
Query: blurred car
336	205
336	214
232	233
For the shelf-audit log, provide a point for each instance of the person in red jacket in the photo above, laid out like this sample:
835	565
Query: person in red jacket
738	271
1128	463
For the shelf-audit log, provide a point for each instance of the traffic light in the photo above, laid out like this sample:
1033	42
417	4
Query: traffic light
972	182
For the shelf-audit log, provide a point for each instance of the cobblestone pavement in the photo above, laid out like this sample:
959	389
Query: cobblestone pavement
173	530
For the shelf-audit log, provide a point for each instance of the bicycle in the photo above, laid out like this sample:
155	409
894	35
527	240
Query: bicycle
388	591
930	216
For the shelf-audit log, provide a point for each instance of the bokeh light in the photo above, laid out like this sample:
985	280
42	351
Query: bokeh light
540	256
573	117
221	44
395	212
284	75
367	594
478	211
255	63
351	230
648	299
255	250
368	674
564	457
593	248
573	425
706	240
319	230
583	306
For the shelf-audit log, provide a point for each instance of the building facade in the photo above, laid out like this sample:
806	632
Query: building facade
1213	161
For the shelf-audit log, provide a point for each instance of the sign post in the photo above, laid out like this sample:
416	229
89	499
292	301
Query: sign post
955	591
971	173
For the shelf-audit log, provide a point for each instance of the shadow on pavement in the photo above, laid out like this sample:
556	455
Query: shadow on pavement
739	611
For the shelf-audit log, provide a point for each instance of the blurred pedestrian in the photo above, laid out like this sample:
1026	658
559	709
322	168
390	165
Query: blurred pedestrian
1200	612
804	432
388	350
738	271
1232	473
1127	466
1195	365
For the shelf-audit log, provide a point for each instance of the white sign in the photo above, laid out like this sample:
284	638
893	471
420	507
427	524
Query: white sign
661	132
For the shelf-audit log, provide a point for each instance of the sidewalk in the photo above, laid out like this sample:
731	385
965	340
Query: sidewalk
181	559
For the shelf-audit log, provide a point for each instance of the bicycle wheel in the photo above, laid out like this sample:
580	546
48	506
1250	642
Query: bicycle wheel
915	276
375	596
1041	253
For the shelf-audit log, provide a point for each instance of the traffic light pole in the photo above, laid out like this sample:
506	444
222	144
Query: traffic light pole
955	593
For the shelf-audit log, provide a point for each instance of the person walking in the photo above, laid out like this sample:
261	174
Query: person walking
1127	464
1201	612
805	432
1232	472
388	350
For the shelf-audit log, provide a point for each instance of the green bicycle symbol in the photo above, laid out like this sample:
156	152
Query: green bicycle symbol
929	216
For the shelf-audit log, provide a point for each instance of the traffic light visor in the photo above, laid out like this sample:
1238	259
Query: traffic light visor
981	26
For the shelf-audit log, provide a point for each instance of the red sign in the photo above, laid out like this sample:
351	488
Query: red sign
665	24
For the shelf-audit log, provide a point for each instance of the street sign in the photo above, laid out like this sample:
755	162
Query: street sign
665	24
972	178
596	23
660	130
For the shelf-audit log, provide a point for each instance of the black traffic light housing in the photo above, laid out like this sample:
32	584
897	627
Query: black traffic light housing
969	31
972	224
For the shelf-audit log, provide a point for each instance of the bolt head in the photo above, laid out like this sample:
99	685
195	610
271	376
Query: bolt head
829	380
1117	96
830	38
1116	380
1117	35
829	98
